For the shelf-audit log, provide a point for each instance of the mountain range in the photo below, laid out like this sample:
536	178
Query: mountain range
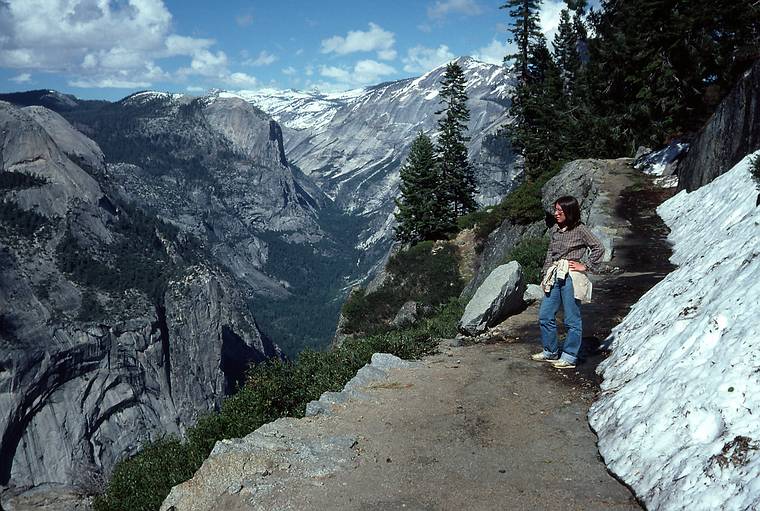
154	246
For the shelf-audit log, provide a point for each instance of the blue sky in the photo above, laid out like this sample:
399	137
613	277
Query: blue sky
106	49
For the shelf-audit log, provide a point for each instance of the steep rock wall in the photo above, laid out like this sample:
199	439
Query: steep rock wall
78	394
732	131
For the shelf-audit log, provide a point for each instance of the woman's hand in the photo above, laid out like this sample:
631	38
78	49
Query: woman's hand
576	266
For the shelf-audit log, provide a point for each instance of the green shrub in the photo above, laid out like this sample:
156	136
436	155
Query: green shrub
425	273
530	253
90	310
142	482
20	221
274	389
521	206
754	170
19	180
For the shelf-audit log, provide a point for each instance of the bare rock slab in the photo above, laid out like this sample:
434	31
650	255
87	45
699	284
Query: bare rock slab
500	296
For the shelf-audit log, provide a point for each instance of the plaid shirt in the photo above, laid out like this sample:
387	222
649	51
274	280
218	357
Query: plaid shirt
572	245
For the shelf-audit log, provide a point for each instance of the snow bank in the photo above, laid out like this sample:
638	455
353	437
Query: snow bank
680	406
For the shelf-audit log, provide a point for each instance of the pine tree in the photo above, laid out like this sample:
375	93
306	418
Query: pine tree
526	33
419	217
566	52
657	68
456	174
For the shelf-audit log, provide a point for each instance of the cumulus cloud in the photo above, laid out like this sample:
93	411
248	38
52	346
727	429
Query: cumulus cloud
183	45
549	14
264	59
421	59
493	53
441	9
100	43
375	39
364	72
290	70
22	78
240	80
111	82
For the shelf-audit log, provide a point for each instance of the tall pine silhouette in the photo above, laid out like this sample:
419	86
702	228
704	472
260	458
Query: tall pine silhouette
457	176
420	216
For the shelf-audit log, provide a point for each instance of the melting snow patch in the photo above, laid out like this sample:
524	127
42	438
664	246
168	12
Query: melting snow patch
678	414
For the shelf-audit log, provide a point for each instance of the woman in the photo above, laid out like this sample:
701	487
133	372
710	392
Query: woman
565	282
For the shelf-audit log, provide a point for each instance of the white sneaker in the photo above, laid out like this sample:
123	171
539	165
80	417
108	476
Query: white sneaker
562	364
541	357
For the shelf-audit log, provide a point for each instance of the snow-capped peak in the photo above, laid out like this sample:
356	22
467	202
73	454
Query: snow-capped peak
314	110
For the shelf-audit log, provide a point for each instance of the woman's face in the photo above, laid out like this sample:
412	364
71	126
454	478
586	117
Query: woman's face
559	215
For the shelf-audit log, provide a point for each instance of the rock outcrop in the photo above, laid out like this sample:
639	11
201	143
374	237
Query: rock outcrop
240	472
732	132
500	296
595	184
495	250
92	367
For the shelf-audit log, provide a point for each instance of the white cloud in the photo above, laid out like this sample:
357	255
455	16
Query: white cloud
194	88
22	78
264	59
289	71
441	9
240	80
339	74
364	72
206	63
375	39
109	83
421	59
183	45
102	43
493	53
549	14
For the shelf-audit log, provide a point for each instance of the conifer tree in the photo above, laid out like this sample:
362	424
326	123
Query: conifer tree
659	67
566	52
526	33
419	211
456	174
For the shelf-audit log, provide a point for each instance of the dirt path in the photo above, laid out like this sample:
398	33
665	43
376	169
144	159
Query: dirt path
482	427
478	428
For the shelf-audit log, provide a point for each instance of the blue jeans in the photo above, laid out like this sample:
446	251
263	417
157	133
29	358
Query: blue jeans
561	294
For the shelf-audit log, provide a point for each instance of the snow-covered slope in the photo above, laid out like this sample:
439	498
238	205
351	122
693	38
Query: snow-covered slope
299	110
680	406
353	144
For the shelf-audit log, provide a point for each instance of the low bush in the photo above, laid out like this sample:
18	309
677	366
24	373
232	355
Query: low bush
530	253
426	273
274	389
522	206
754	170
19	180
20	221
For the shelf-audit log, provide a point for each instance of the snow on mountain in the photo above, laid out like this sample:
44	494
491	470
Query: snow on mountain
678	414
148	95
353	144
297	109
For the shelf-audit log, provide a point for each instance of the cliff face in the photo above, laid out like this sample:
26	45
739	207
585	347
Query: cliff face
92	362
353	144
732	132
